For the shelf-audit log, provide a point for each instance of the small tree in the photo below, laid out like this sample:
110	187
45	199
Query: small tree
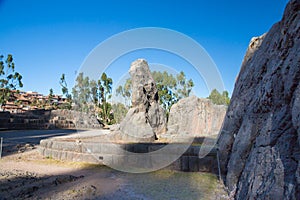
119	112
105	88
120	91
184	86
220	99
225	97
125	92
50	96
9	79
81	93
65	91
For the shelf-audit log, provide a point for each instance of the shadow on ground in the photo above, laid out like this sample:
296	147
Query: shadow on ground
98	182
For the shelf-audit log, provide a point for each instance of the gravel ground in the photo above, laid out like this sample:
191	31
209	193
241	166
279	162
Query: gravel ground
28	175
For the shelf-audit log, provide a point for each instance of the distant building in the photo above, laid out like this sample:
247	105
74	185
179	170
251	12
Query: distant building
21	101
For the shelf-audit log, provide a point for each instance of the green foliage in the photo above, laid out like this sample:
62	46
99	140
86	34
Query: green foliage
185	86
106	113
50	96
64	87
170	88
119	111
81	93
51	105
166	85
106	84
92	96
105	89
65	91
9	78
218	98
125	92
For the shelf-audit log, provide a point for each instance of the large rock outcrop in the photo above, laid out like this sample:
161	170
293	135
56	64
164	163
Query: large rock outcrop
260	139
195	117
146	120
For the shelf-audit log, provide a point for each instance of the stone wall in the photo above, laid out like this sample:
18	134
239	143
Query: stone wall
106	153
28	120
73	119
48	119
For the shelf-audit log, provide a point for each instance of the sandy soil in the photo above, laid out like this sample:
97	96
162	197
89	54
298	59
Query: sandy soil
28	175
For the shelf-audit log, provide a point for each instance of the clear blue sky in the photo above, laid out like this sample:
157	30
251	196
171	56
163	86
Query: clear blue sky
48	38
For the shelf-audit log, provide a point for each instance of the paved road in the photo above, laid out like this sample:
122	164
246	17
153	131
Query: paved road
14	138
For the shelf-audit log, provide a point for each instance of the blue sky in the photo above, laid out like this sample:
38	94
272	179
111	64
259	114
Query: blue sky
48	38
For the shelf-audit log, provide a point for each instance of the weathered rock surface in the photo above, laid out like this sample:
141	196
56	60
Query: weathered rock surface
196	117
146	120
260	139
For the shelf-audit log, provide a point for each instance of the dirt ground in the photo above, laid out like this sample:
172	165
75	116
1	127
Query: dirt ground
28	175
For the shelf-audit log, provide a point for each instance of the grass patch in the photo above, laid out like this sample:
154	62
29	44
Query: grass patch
168	184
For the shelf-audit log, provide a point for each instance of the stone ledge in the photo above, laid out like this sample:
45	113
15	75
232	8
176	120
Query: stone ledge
109	153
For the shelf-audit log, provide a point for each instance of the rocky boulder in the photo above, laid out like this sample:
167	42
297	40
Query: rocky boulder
260	139
146	120
195	117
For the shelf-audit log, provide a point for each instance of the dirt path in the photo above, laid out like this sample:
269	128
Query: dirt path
28	175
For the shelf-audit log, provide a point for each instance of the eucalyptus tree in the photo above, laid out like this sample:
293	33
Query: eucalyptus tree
65	91
171	88
9	79
93	95
220	99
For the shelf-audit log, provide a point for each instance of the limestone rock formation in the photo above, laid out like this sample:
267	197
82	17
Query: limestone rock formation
196	117
146	120
260	139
